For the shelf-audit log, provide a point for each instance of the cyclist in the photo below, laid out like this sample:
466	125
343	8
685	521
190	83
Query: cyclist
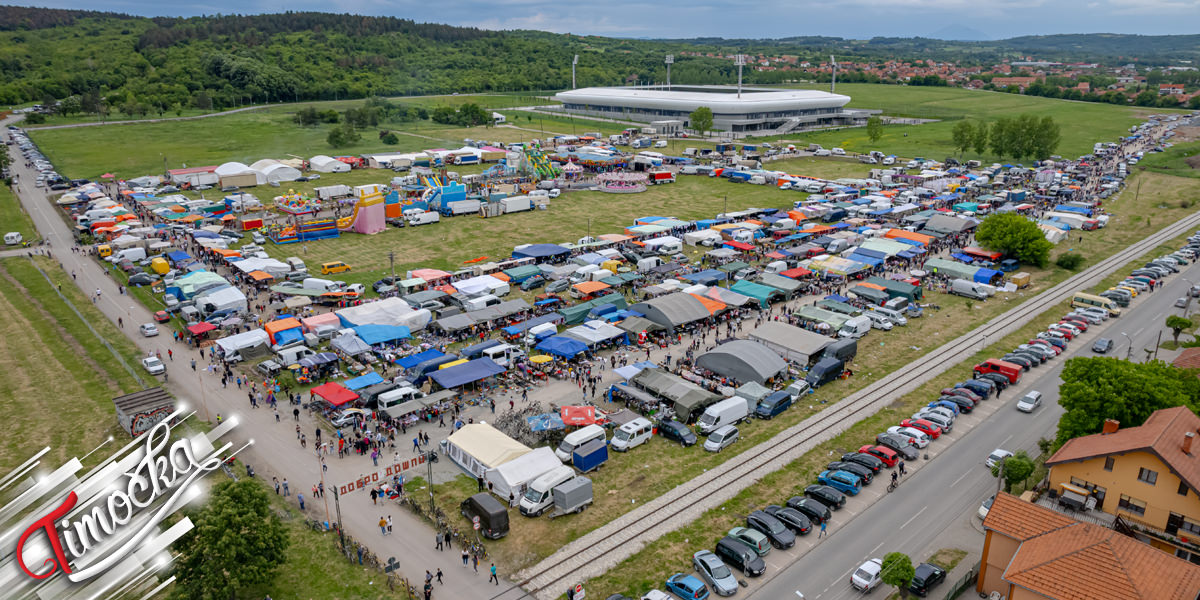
895	477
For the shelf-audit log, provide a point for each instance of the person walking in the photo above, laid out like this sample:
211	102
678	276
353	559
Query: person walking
300	497
439	576
276	481
389	527
374	496
465	557
475	562
285	487
493	577
382	526
449	541
437	539
823	524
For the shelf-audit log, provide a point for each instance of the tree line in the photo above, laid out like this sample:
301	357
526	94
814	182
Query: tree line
1023	136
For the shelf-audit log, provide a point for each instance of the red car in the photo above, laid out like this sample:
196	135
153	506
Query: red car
964	392
1076	322
887	455
1067	333
162	316
927	427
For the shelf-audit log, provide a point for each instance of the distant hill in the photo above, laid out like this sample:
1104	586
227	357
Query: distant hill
134	65
959	33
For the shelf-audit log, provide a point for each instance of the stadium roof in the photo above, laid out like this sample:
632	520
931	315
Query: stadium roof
721	99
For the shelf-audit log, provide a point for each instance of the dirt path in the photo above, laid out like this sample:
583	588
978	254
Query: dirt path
140	121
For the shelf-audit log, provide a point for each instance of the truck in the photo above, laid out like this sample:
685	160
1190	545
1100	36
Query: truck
516	204
572	497
855	327
590	456
460	207
422	218
329	192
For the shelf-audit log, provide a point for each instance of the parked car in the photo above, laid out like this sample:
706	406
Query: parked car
965	392
715	573
865	460
986	507
867	576
1102	346
162	316
721	439
687	587
1020	361
790	517
916	437
929	428
945	404
965	405
996	456
883	453
154	366
981	387
1029	401
753	538
774	529
864	474
534	282
815	511
830	491
926	577
141	279
898	444
148	329
677	432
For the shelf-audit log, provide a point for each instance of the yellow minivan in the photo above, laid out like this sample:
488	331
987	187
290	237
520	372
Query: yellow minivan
336	266
104	250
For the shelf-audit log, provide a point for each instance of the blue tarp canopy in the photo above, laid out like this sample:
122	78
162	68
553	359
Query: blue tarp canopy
880	212
545	422
870	252
962	257
381	334
413	360
562	346
591	258
907	254
363	381
706	277
178	257
795	237
524	326
200	233
288	335
540	251
837	298
867	260
986	275
477	349
547	302
908	241
480	368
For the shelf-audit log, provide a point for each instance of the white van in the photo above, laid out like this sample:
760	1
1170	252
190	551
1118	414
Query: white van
532	335
483	301
776	267
632	434
320	285
879	321
538	497
576	439
894	316
583	274
13	238
396	397
726	412
130	254
504	354
292	355
423	218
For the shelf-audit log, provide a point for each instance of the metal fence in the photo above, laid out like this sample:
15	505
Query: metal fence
966	582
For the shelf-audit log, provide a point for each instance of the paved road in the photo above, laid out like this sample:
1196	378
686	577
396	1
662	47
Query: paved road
946	491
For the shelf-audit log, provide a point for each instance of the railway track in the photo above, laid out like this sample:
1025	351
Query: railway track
627	534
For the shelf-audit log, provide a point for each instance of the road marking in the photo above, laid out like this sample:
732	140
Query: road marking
1005	440
960	478
876	548
910	520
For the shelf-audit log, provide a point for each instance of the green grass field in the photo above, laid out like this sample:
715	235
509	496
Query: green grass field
1082	123
1174	161
44	346
14	217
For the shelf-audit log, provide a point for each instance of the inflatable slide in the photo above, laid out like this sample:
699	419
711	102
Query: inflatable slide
369	215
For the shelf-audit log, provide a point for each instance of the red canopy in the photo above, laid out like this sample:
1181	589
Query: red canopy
578	416
334	393
797	272
201	328
743	246
107	176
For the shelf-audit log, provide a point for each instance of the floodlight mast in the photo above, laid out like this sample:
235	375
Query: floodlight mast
670	60
740	61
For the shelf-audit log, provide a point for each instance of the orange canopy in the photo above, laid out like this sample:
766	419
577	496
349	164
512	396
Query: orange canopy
591	287
226	253
228	218
815	229
190	218
281	325
713	306
873	286
908	235
260	275
501	276
797	216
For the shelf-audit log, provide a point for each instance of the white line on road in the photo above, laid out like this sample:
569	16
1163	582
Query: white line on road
960	478
1005	440
910	520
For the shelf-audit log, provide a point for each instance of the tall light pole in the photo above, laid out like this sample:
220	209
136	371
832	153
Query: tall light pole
1129	352
392	260
833	79
574	61
670	61
740	61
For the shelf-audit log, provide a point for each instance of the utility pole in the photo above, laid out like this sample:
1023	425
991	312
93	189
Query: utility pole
392	260
740	61
1000	477
337	506
1129	352
429	469
321	466
670	60
1157	344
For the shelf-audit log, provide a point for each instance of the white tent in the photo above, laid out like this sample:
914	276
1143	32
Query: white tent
478	447
389	311
594	332
232	168
273	170
694	238
248	339
327	164
226	298
276	268
661	241
126	240
477	285
510	479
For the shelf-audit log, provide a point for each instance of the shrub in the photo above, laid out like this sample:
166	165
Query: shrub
1070	261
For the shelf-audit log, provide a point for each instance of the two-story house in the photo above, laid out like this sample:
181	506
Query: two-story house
1147	476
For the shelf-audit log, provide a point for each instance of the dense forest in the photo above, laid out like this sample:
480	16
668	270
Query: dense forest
106	62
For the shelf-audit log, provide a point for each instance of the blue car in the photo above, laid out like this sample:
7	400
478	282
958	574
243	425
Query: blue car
945	404
688	587
843	481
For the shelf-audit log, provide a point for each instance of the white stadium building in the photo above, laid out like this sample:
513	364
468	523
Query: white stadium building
761	110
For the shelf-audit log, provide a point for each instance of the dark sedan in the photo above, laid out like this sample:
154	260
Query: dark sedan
1022	361
965	404
981	387
534	282
925	577
996	378
677	432
864	473
383	283
815	511
826	495
792	518
962	391
865	460
774	529
902	445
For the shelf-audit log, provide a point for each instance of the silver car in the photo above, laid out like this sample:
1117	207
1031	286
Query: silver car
715	573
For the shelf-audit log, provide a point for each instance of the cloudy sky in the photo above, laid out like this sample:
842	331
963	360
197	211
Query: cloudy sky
730	18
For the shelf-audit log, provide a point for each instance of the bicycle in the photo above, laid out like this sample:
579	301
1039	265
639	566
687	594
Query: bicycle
893	485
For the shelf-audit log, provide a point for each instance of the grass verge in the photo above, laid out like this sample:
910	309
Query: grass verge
14	217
